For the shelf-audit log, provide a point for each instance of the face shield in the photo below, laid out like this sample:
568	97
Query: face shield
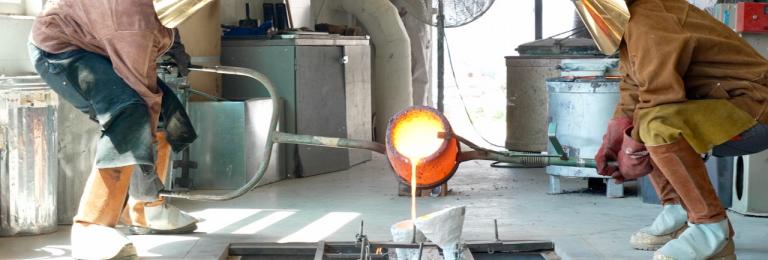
605	20
172	12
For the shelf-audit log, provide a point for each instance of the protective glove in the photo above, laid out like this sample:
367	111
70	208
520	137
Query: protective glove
175	121
609	150
634	161
177	55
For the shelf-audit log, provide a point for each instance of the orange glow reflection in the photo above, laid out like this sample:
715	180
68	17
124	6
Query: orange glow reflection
416	137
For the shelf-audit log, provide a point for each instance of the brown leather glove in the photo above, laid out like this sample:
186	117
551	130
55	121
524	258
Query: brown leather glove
177	55
609	150
634	161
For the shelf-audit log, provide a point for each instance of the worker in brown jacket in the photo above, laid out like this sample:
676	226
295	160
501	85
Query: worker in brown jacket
99	55
690	86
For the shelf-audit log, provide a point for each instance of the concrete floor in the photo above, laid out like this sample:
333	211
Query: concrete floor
330	207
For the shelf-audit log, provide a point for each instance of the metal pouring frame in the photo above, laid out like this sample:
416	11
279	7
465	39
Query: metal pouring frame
363	249
273	137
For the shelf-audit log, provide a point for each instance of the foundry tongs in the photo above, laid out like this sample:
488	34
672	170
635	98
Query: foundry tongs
273	136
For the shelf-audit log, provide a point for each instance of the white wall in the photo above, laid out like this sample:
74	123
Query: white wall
15	31
302	13
11	6
233	11
320	13
20	7
13	53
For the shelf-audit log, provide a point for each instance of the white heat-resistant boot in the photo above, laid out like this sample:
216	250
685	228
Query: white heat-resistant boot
166	219
100	242
669	224
700	242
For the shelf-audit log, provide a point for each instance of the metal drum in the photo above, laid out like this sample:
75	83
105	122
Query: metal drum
527	102
580	109
526	91
28	157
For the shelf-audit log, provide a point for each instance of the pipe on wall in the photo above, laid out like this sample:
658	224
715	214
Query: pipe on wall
392	59
539	19
420	35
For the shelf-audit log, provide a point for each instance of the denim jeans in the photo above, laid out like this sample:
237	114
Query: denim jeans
88	82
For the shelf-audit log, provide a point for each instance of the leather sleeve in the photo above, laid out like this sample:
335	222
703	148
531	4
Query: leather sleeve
178	54
659	53
628	91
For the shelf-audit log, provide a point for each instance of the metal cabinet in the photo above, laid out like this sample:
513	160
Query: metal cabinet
325	83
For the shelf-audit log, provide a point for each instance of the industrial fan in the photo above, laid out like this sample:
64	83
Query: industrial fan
456	13
450	14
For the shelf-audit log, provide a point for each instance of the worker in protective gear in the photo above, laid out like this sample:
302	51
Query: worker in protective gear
100	57
690	85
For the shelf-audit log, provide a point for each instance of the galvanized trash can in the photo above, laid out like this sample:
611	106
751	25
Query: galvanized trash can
581	102
28	163
581	109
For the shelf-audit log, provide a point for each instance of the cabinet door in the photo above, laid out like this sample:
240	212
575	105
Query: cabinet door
358	93
278	64
320	106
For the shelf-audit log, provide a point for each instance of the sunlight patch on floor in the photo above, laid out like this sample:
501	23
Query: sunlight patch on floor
321	228
258	225
55	252
214	220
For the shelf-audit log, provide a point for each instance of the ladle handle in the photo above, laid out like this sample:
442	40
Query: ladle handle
332	142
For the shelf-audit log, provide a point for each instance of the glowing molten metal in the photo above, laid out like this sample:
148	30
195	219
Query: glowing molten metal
414	142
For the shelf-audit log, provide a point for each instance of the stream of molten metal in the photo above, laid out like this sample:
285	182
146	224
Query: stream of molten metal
413	190
416	139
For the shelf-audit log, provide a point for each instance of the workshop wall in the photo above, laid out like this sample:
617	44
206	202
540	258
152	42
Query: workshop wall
13	55
233	11
201	36
16	28
321	14
21	7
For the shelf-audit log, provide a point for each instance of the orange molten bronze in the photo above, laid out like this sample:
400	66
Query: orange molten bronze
422	134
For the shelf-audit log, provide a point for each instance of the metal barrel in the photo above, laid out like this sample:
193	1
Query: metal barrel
28	155
527	101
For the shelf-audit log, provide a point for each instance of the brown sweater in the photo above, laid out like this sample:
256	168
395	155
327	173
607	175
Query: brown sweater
126	31
674	52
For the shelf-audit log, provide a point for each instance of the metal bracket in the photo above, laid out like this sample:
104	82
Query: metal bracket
320	250
552	134
185	164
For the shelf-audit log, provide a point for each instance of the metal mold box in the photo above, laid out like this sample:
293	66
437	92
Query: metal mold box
230	144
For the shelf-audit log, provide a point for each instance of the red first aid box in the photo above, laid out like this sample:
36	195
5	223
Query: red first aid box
752	17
